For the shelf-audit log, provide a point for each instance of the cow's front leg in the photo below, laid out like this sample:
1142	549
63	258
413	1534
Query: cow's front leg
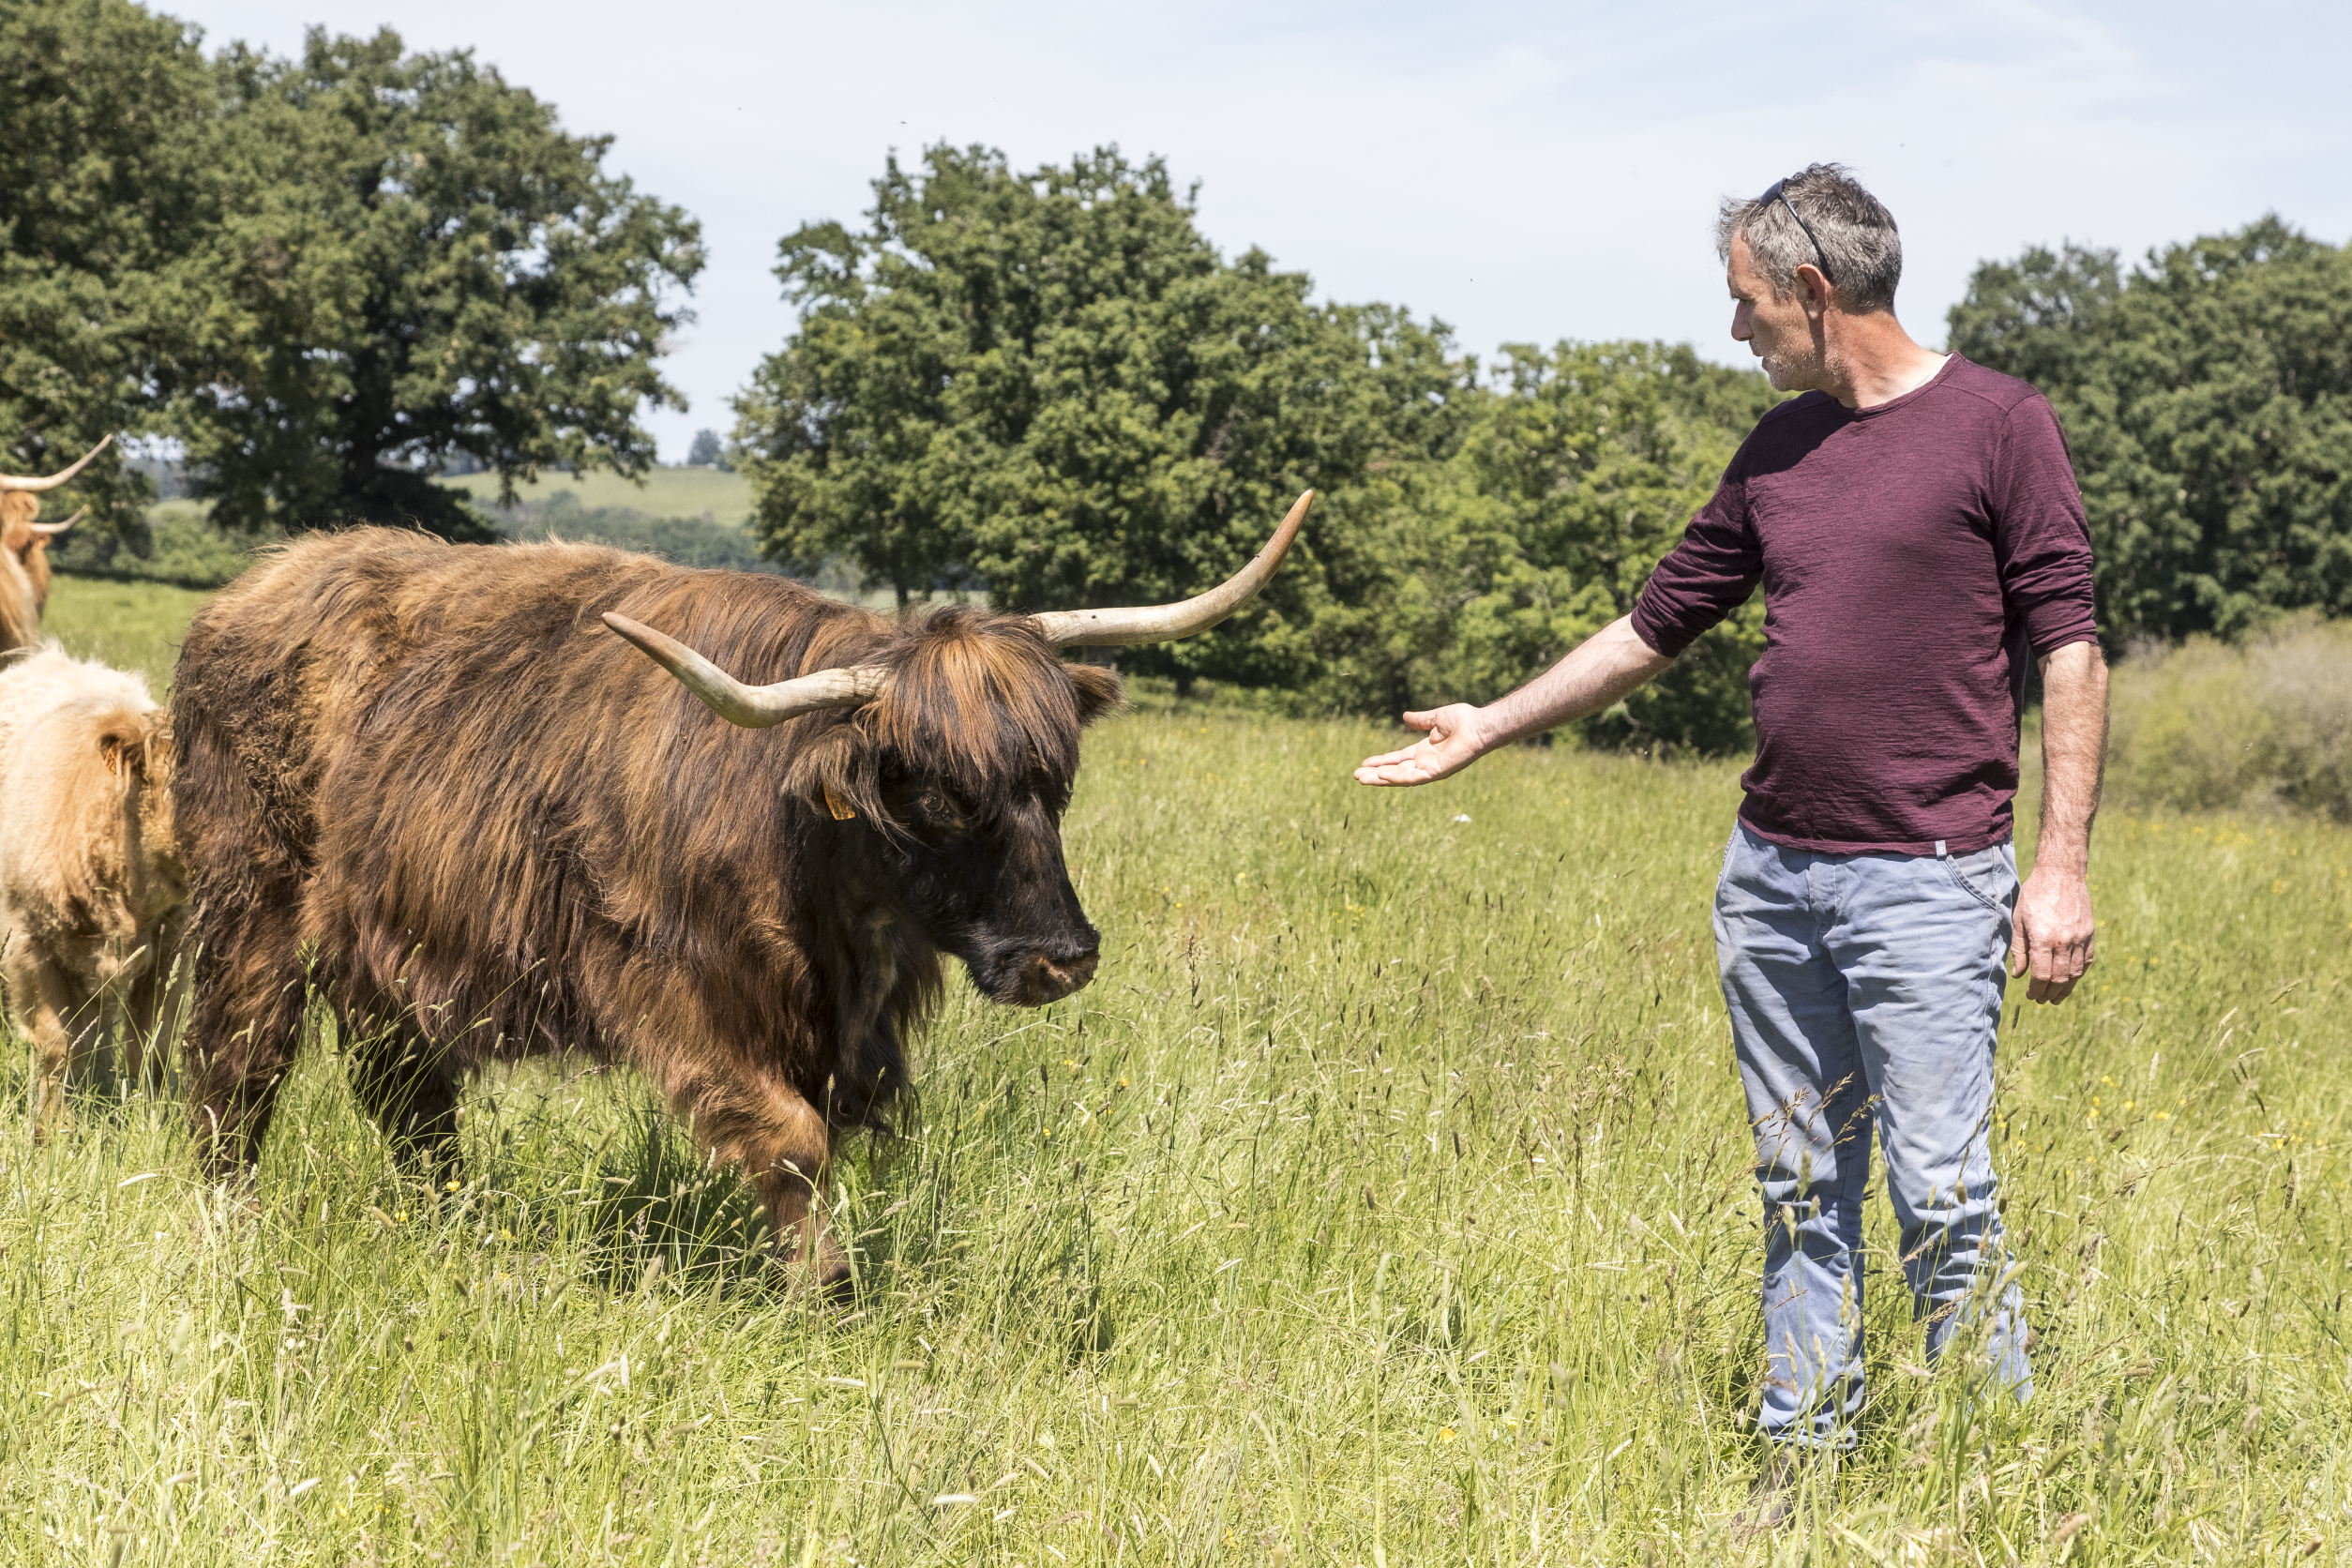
755	1119
154	999
64	1023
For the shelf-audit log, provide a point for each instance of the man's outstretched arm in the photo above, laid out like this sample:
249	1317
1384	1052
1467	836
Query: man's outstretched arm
1597	671
2053	932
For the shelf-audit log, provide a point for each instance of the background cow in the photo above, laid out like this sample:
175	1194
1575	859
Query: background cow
24	551
502	832
91	887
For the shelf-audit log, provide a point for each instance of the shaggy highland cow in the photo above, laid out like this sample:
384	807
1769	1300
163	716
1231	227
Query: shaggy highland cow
91	887
496	830
24	551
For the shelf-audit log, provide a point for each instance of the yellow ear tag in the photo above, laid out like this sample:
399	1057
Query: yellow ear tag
832	803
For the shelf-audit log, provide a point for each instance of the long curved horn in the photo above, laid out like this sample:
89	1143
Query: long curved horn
12	482
1164	623
51	530
753	707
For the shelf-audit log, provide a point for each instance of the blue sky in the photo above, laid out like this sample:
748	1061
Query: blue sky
1524	173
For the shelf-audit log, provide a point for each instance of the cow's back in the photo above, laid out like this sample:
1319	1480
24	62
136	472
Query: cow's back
267	672
345	640
284	670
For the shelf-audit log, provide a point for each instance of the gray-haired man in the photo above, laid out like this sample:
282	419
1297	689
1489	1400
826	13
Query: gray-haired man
1914	525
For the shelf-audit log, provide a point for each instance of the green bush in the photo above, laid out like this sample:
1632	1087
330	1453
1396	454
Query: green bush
176	544
1577	469
2206	724
1050	386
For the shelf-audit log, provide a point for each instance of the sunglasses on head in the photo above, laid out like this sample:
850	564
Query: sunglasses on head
1776	194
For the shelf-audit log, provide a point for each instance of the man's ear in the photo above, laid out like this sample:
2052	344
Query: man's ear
1816	289
1097	691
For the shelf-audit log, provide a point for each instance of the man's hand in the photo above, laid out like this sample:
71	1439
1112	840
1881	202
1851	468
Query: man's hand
1594	673
1452	743
2053	933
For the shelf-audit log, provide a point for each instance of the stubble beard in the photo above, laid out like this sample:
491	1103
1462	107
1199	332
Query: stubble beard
1798	372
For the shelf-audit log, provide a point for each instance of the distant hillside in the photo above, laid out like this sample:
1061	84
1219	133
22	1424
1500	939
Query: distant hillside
694	540
666	492
691	515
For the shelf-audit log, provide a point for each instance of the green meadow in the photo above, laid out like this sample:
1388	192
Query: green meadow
132	626
681	491
1385	1201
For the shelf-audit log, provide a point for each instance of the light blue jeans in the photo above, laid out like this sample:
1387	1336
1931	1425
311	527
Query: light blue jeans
1866	991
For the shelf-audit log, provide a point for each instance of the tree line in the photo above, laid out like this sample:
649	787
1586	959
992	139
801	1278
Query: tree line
332	278
2206	395
1048	385
325	277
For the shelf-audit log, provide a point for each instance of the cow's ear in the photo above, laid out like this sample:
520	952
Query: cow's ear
835	773
1097	691
125	749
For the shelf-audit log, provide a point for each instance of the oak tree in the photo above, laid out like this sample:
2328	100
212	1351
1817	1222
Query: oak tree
415	260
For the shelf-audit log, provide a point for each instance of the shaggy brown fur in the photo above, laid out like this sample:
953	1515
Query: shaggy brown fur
501	830
91	887
24	571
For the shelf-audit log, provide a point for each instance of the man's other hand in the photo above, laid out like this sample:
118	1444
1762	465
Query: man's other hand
2054	933
1452	744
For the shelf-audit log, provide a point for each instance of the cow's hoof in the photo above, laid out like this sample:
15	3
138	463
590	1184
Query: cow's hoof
236	1201
820	1273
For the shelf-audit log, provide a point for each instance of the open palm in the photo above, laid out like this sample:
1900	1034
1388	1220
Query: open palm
1452	744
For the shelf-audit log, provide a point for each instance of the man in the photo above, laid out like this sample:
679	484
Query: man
1915	524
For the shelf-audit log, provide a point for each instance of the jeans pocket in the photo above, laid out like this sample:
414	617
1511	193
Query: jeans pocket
1973	873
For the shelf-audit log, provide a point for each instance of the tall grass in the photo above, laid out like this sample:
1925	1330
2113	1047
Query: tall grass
1385	1201
2207	725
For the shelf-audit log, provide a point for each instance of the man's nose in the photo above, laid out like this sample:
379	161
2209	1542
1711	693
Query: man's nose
1742	323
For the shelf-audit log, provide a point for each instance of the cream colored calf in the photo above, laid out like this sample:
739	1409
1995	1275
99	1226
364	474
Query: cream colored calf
91	888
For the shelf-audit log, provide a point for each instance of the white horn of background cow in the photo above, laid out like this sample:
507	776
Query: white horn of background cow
753	707
13	482
1164	623
51	530
757	707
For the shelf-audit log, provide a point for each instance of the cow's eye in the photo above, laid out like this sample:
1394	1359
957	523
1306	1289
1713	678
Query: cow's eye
942	809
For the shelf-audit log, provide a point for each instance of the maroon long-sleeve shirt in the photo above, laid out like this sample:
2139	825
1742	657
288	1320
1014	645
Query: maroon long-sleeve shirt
1913	556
